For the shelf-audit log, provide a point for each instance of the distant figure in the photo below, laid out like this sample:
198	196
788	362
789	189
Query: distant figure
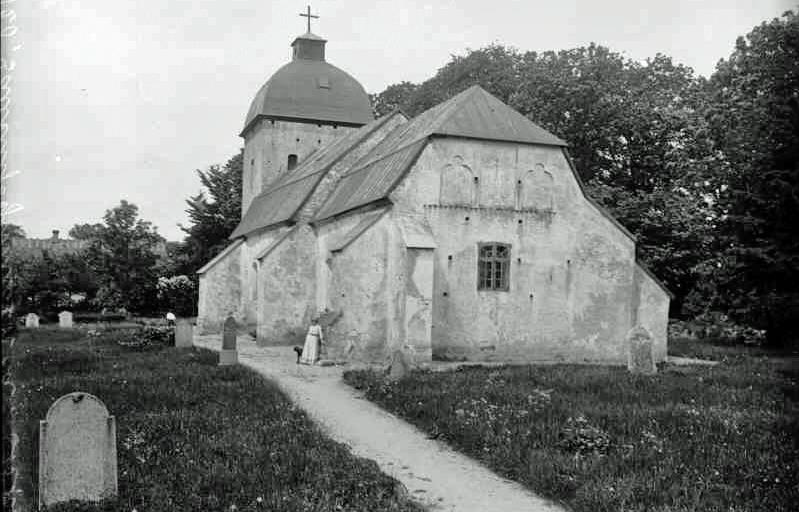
170	318
313	343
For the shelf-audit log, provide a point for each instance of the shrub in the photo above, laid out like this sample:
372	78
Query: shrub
145	338
177	293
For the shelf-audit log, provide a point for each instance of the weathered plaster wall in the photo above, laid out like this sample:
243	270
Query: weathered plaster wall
652	311
359	282
571	270
286	289
253	245
220	293
268	145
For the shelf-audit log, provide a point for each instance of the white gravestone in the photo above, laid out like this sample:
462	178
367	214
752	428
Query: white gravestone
640	355
65	320
32	321
77	451
183	333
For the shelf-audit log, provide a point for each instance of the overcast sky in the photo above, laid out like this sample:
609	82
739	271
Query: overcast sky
114	99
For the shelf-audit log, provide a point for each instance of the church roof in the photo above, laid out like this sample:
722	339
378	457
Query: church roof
282	200
311	90
474	114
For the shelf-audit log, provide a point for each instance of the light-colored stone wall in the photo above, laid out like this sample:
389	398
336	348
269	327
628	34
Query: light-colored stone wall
220	293
360	281
287	289
571	268
652	312
268	145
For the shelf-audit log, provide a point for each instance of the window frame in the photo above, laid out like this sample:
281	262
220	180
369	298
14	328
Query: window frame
499	283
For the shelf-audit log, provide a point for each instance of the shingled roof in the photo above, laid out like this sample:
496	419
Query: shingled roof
285	197
474	113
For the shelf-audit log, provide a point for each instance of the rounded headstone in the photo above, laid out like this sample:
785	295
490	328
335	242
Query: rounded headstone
77	451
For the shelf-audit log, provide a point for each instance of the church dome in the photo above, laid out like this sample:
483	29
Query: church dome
310	89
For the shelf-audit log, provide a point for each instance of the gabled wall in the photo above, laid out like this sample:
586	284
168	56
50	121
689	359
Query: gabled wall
220	292
287	288
571	268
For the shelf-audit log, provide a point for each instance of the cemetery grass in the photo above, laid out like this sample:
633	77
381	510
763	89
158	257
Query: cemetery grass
597	438
190	435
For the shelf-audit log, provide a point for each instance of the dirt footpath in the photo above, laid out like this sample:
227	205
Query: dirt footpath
434	475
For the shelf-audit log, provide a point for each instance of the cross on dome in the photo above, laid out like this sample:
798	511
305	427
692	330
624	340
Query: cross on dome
309	16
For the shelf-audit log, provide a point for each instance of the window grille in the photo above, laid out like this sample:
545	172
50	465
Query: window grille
493	266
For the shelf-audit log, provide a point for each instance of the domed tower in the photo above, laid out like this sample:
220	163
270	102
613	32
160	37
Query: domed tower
306	104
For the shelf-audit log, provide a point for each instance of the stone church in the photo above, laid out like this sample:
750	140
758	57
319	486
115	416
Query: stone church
463	233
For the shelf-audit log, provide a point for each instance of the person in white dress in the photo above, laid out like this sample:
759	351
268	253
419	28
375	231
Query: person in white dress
313	343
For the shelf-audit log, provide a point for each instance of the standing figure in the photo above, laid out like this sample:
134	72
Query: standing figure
313	343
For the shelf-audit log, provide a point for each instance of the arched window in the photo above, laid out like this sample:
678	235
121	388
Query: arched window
292	162
536	189
458	184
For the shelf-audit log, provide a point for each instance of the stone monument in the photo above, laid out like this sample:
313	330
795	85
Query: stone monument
640	354
399	366
184	333
77	451
32	321
65	320
229	355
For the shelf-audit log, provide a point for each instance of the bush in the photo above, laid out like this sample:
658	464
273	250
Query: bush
145	338
9	323
177	294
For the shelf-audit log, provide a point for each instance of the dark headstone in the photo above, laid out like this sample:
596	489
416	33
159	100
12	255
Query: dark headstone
229	354
229	334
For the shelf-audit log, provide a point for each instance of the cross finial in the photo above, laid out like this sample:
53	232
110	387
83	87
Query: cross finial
309	16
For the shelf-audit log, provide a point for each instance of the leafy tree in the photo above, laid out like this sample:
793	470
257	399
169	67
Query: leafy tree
85	231
122	253
396	96
754	119
213	214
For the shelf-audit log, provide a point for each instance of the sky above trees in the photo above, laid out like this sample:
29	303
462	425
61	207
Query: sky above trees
125	99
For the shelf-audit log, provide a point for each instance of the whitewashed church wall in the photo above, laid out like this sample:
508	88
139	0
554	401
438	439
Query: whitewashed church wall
286	289
652	311
361	281
571	268
220	293
251	248
268	146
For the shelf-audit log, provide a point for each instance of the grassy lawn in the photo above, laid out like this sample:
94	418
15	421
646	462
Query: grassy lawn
191	435
599	439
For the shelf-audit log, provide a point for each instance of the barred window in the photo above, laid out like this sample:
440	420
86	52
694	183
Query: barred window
493	266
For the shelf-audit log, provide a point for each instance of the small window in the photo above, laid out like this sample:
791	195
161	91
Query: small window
292	163
324	83
493	266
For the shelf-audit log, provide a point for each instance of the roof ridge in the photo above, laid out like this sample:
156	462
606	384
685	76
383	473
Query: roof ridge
381	158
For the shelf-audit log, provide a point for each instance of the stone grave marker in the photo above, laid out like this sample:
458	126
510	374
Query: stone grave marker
184	333
640	355
77	451
65	320
229	355
32	321
399	366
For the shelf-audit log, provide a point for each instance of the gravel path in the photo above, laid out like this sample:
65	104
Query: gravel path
435	475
